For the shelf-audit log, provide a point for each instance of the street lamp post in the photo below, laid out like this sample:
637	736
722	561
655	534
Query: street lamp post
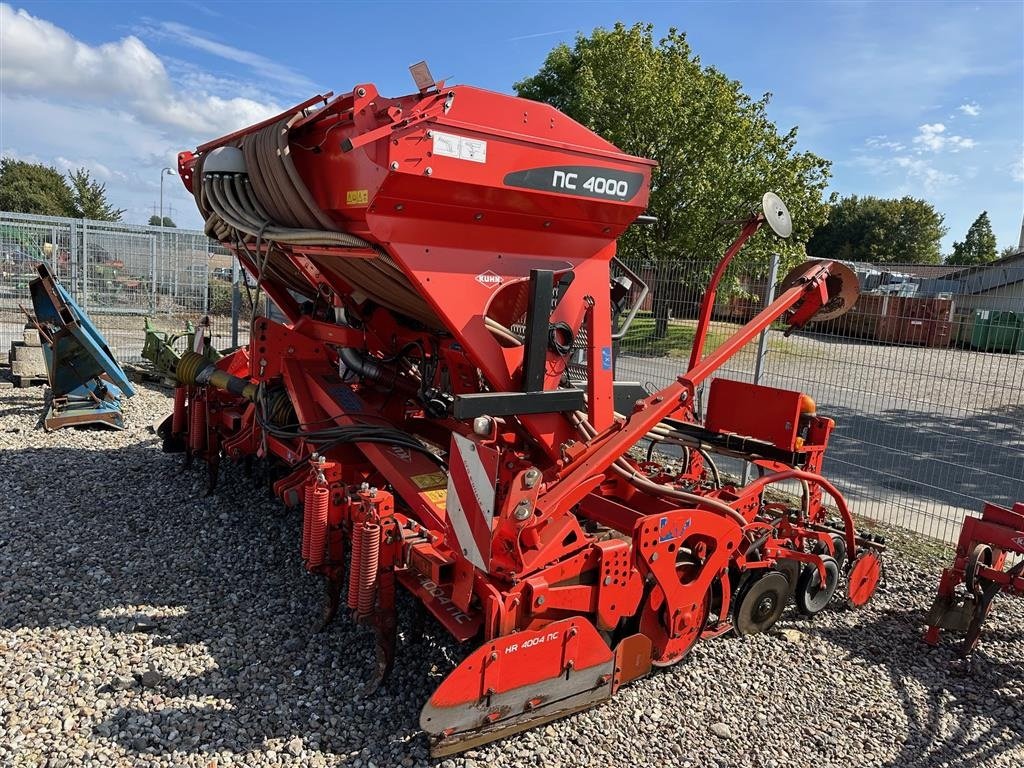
163	172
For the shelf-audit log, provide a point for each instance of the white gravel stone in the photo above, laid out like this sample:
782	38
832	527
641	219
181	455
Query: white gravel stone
99	530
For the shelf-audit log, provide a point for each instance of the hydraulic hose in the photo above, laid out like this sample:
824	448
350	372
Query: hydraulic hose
270	203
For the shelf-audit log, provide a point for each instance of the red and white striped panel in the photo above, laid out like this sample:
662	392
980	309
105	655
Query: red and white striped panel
472	474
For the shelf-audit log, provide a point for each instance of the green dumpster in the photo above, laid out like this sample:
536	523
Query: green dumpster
998	331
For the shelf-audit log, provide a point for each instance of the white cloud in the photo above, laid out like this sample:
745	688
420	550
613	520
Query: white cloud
1017	169
261	66
41	58
970	109
931	179
933	137
116	108
883	142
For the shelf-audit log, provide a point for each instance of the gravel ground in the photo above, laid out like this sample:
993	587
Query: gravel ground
142	623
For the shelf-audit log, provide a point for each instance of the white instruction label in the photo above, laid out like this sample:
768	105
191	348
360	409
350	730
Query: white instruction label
461	147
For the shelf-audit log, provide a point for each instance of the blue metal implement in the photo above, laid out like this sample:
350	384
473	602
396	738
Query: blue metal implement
86	382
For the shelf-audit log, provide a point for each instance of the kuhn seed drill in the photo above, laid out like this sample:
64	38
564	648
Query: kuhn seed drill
439	400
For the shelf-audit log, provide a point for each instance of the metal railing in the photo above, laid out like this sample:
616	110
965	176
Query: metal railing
924	377
119	274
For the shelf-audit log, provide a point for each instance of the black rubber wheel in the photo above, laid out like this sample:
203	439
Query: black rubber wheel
811	595
761	604
791	570
838	544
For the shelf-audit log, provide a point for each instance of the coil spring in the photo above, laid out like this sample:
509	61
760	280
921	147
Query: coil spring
178	414
189	366
317	500
197	425
307	520
355	567
368	572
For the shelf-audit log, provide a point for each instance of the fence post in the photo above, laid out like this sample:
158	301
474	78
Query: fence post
83	300
73	266
762	339
236	301
152	273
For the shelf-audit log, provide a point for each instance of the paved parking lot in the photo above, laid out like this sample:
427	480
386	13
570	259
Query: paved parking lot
923	435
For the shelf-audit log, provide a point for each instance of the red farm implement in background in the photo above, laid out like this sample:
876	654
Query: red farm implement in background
984	565
439	399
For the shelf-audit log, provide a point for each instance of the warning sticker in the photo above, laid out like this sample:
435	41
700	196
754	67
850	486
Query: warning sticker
430	480
357	197
460	147
438	498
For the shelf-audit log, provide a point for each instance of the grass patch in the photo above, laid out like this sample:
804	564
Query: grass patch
677	342
678	339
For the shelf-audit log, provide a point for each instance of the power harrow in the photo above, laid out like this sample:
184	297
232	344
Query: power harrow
439	400
985	566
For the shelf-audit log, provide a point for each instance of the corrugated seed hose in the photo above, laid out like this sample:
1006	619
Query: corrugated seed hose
271	204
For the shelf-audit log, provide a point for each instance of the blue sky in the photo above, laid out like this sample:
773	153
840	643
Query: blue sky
918	98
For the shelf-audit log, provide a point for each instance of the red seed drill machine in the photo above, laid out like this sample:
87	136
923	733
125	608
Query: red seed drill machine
438	397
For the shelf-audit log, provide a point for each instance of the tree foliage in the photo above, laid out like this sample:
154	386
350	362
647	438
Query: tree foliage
43	190
978	247
154	221
89	198
880	231
716	149
33	188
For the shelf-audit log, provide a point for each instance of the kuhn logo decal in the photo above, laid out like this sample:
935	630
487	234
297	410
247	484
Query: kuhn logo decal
489	279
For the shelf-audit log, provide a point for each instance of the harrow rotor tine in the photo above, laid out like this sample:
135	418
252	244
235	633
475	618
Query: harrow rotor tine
333	601
385	632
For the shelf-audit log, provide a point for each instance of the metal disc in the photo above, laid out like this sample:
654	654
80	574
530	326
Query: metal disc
865	574
981	554
790	569
776	215
811	595
842	284
838	544
762	604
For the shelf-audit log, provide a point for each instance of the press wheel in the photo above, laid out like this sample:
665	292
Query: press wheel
761	604
811	595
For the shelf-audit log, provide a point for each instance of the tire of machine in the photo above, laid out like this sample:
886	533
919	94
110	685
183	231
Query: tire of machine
761	604
791	570
811	596
839	544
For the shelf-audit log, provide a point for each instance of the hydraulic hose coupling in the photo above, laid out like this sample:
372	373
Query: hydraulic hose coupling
195	370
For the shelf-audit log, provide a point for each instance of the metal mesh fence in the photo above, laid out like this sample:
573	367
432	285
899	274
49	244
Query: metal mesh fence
924	377
119	274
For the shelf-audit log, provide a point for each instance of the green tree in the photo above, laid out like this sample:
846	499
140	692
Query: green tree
716	149
978	247
880	231
33	188
1008	251
154	221
89	198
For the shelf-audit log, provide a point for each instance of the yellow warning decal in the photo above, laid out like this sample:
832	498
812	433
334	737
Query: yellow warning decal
438	498
430	480
357	197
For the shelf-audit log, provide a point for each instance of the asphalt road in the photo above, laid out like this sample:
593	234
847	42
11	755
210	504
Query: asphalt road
923	436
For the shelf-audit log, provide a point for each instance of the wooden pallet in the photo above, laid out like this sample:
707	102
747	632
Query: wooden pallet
24	382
